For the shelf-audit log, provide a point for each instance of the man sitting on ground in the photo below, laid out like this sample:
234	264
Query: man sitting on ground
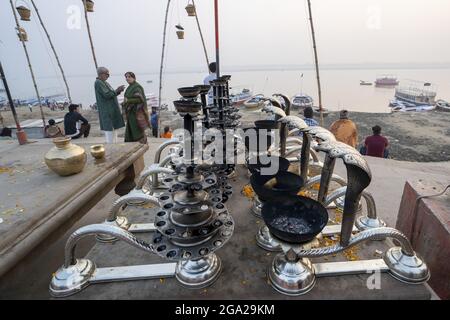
72	125
377	145
6	134
345	130
167	133
308	114
52	130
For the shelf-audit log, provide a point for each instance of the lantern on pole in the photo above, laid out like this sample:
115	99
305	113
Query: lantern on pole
190	9
23	38
180	31
24	12
89	5
22	34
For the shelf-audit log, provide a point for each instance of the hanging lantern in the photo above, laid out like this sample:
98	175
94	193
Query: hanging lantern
180	31
22	34
190	9
89	5
24	13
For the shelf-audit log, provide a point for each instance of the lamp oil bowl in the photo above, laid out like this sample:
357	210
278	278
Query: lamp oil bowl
98	151
295	219
65	158
191	107
190	92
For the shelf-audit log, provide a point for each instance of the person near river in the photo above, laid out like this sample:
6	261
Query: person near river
154	122
75	125
308	115
167	133
376	145
211	77
108	106
52	130
345	130
135	111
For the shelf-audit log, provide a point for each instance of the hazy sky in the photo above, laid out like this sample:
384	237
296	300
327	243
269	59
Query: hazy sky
128	34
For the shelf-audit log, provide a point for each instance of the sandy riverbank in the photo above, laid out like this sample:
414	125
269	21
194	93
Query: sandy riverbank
417	137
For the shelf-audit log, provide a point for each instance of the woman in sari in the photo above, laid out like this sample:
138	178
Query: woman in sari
135	111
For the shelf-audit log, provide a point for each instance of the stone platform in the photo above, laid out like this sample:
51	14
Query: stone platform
35	203
426	222
244	267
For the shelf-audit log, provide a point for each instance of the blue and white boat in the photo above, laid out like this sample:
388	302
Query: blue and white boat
416	92
240	97
255	102
302	101
414	108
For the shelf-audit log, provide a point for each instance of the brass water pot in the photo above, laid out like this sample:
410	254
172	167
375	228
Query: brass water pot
98	151
66	158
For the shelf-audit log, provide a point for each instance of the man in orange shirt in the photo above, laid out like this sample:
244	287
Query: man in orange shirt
345	130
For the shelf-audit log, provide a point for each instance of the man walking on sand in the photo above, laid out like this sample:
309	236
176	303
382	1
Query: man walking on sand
108	106
345	130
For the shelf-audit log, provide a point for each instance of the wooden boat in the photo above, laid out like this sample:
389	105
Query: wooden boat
386	81
365	83
302	101
443	106
422	108
255	102
241	97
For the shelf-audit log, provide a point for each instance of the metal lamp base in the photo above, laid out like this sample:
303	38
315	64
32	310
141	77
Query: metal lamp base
292	278
408	269
257	208
340	203
121	222
366	223
200	273
266	241
71	280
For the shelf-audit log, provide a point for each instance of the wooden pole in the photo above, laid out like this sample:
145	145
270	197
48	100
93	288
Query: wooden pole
10	99
316	58
21	135
162	62
201	36
90	35
54	51
29	64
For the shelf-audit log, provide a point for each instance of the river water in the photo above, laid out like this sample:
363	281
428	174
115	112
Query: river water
340	88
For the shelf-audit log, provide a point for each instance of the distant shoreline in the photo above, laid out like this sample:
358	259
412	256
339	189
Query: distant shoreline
414	137
299	67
